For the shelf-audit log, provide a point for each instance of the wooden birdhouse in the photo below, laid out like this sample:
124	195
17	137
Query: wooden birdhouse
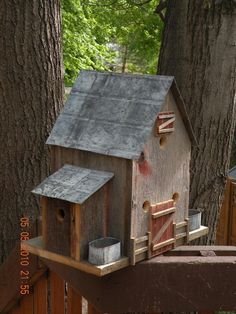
119	192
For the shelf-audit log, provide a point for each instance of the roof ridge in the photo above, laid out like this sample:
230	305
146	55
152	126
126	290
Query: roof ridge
151	76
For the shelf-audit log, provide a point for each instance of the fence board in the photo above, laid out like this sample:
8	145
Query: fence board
27	304
226	229
92	310
74	302
57	289
223	223
40	296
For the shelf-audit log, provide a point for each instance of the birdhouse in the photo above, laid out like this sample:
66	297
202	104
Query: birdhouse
119	192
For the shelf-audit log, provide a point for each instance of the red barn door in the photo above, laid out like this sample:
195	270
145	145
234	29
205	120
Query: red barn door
162	227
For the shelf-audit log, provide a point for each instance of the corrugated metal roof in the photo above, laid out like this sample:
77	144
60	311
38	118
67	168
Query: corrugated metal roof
110	113
232	173
73	184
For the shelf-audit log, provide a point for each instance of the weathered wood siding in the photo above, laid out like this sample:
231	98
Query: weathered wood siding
57	235
119	220
93	220
164	173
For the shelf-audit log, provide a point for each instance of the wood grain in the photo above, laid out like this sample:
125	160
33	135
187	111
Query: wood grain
120	195
223	222
41	295
57	289
169	173
27	304
57	231
74	301
35	246
93	215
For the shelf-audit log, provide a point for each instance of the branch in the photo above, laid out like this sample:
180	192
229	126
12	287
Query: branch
106	4
138	2
161	6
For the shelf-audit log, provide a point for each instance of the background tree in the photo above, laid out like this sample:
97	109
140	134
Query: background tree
199	49
30	98
118	35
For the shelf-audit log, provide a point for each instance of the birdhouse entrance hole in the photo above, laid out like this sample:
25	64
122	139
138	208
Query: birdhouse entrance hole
175	197
163	141
60	214
146	206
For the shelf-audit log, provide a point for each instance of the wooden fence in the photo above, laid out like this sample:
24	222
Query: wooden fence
51	294
226	230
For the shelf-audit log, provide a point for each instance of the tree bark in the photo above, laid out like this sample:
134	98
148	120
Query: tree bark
199	49
30	98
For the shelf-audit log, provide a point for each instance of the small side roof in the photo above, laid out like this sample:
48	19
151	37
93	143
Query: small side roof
73	184
232	173
114	114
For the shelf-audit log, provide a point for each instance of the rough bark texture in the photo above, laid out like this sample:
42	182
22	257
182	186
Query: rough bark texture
30	98
199	49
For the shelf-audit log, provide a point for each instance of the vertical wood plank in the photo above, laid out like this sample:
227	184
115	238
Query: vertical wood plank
74	302
43	205
106	210
222	237
40	296
57	289
92	310
27	304
132	251
77	231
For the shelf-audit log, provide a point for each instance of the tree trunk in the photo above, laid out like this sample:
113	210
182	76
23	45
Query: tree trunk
199	49
30	98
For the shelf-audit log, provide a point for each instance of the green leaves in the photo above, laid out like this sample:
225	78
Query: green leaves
110	34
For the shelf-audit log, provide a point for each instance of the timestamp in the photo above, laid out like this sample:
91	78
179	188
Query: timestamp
24	257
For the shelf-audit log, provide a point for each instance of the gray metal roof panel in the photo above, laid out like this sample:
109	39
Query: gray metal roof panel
232	172
111	113
73	184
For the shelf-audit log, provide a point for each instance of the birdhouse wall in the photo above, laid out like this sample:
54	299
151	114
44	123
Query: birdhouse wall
119	222
163	173
56	225
94	219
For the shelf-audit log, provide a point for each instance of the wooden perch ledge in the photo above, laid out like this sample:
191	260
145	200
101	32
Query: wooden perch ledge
188	278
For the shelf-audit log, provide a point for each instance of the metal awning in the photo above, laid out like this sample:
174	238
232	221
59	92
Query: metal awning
73	184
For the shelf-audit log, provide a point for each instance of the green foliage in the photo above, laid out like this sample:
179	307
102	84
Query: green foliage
83	45
110	34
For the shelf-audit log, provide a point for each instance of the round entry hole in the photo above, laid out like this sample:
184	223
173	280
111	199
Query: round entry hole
175	197
163	141
146	206
60	213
